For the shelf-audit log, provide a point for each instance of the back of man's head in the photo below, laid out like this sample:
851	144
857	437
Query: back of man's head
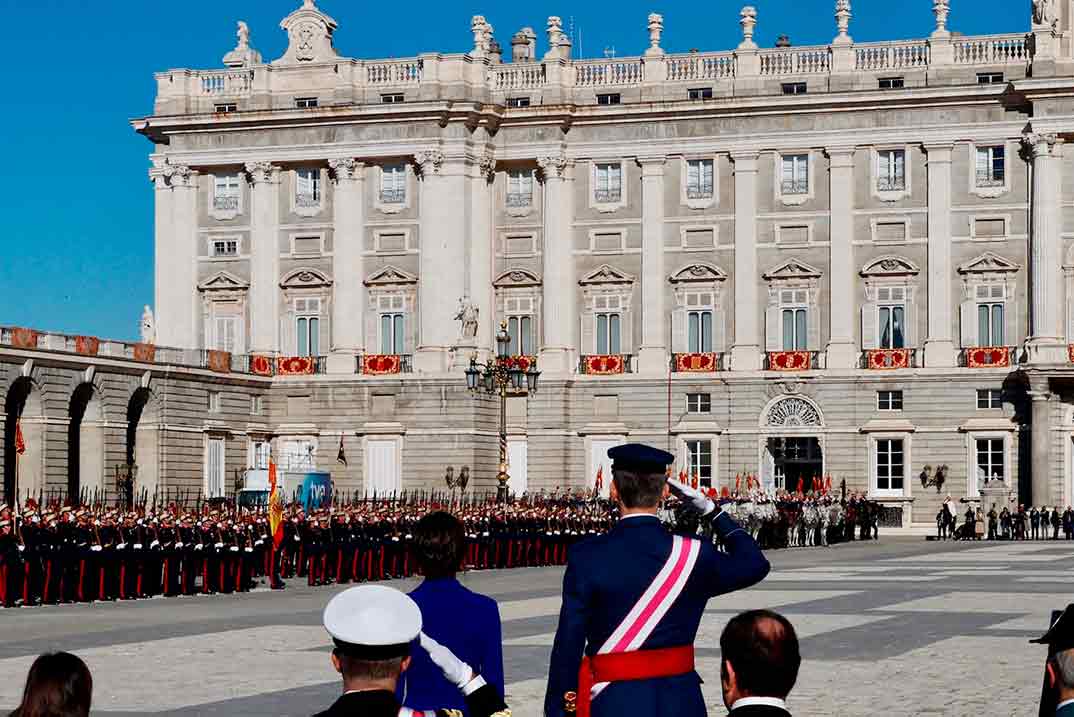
762	649
358	672
638	489
1064	672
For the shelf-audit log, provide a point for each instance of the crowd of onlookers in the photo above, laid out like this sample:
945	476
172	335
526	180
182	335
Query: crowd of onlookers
1042	523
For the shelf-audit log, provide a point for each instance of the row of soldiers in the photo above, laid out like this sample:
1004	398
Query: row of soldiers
82	554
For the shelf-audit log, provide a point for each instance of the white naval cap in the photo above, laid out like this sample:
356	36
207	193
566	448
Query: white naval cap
372	622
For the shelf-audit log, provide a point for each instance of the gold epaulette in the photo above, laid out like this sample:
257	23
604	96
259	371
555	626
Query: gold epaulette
570	700
501	713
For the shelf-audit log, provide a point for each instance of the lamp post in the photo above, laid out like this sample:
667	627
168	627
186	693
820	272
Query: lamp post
502	375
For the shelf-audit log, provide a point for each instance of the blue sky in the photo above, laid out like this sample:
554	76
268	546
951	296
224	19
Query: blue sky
74	194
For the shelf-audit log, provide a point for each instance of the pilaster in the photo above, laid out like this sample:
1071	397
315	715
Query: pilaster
264	178
480	253
842	353
177	312
1041	441
558	289
1045	344
746	350
165	286
653	354
348	265
939	346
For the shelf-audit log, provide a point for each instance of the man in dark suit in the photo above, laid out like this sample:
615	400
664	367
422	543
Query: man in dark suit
759	664
633	599
373	628
1058	695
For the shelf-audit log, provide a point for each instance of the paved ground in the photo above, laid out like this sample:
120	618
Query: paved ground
902	627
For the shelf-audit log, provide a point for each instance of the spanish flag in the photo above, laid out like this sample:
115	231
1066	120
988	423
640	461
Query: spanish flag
275	507
20	441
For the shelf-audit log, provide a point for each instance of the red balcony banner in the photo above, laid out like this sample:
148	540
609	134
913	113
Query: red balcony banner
695	363
1070	353
261	365
24	338
522	363
87	345
381	364
887	359
604	365
988	357
219	361
789	361
146	353
295	366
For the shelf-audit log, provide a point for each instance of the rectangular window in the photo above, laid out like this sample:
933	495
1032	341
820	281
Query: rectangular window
699	461
520	188
990	324
305	103
226	192
700	93
889	400
891	83
889	464
308	326
520	329
225	333
259	454
891	320
225	107
698	403
308	188
989	398
225	247
391	334
795	322
891	170
794	88
699	324
991	167
257	405
612	98
518	101
393	184
990	78
699	176
795	174
608	182
608	334
990	462
214	468
214	402
392	99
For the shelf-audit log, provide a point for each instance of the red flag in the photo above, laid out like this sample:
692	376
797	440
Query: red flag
738	482
20	442
800	484
600	478
682	477
724	493
275	507
696	481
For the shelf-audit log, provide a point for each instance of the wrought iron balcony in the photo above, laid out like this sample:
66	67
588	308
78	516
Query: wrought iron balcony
383	364
696	362
226	203
392	196
519	199
891	184
795	187
888	359
702	191
989	356
607	196
606	364
990	179
792	360
307	201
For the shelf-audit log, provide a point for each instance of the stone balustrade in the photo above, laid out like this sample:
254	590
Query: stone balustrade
465	77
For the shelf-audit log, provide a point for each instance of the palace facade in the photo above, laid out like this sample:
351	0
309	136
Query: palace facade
853	259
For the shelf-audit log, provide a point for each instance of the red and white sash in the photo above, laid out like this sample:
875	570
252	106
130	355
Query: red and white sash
654	603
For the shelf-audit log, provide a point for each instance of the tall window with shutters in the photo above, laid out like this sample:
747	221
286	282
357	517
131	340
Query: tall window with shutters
392	324
794	319
991	305
608	330
794	174
521	327
891	317
214	467
308	188
225	333
307	326
699	178
226	192
393	184
891	170
520	188
607	182
991	166
699	460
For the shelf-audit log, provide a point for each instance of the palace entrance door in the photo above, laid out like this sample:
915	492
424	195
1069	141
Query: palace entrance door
790	458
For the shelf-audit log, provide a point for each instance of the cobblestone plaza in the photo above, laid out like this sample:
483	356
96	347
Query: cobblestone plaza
899	627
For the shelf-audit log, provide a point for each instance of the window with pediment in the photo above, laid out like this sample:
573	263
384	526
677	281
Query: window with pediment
607	320
224	297
792	317
889	312
391	325
305	329
989	313
518	301
697	321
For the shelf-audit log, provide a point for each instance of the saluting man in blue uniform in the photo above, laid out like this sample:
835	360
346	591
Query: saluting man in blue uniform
633	599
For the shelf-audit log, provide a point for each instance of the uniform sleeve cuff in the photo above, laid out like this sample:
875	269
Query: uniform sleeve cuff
473	686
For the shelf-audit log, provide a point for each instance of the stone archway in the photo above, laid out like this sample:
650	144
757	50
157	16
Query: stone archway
85	445
143	440
791	445
23	475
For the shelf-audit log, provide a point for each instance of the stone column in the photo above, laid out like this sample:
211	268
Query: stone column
559	289
842	352
264	178
1046	343
746	351
1041	442
444	221
348	266
178	327
939	347
163	303
653	355
479	286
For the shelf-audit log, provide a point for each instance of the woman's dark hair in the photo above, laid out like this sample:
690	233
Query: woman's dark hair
439	541
58	685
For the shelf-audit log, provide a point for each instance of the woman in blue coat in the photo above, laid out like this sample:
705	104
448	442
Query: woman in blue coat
465	622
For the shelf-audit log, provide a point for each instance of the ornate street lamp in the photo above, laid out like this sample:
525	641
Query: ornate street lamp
502	375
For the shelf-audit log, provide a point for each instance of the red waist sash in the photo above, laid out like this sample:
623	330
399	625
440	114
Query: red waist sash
626	666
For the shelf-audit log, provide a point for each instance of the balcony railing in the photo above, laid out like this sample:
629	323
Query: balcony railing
888	359
307	201
226	203
891	184
696	362
519	199
226	83
602	196
605	364
794	187
989	179
392	196
403	72
892	55
993	50
702	191
696	66
989	356
608	73
383	364
792	360
511	77
801	61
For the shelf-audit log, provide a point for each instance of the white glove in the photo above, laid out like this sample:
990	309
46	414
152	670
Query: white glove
694	497
455	670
